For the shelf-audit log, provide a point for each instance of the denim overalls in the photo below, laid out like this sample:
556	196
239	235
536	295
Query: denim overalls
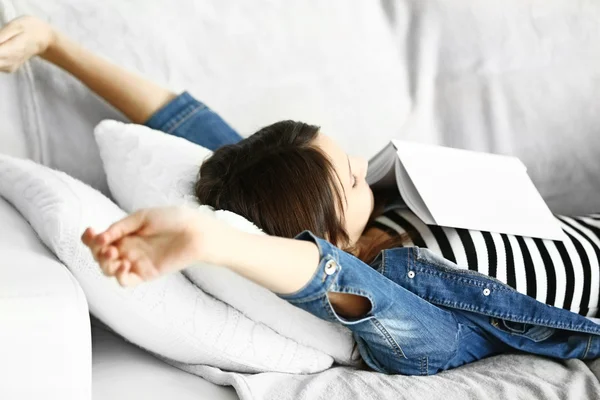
427	315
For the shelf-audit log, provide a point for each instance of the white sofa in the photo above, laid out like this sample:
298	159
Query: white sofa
50	348
512	77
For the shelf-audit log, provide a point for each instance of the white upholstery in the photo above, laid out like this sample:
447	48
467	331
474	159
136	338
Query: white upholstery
122	370
45	338
12	140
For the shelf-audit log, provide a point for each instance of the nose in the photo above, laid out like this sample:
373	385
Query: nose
365	166
361	164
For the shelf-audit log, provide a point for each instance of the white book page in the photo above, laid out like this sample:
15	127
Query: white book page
479	191
410	194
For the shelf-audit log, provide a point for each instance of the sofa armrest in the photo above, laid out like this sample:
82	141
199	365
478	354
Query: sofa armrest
45	335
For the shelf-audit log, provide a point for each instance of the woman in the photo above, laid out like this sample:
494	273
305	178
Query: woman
412	311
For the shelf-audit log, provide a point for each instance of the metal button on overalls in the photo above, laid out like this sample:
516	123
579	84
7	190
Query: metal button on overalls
330	267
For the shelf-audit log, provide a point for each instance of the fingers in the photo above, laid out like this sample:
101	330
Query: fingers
89	239
87	236
10	44
122	269
109	257
128	256
121	228
121	253
11	29
130	280
122	272
134	251
118	230
11	54
126	277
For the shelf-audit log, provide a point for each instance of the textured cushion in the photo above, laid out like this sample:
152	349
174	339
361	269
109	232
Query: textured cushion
145	167
148	168
168	316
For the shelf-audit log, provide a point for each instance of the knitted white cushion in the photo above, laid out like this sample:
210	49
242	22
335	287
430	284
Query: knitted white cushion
147	168
169	316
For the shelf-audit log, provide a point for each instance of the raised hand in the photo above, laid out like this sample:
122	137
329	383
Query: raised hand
21	39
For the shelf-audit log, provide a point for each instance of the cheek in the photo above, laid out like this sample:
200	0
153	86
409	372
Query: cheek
366	201
360	209
370	199
363	207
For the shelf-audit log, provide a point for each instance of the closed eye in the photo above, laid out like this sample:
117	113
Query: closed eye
352	176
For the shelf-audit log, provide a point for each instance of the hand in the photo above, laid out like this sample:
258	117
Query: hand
155	241
21	39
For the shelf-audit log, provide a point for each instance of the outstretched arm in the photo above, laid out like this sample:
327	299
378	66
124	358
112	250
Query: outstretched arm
129	92
156	241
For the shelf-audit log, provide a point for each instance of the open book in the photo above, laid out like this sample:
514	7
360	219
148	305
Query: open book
464	189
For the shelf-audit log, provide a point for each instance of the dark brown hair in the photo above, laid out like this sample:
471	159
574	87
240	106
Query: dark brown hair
279	180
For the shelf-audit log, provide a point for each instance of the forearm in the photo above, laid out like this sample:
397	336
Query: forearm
133	95
281	265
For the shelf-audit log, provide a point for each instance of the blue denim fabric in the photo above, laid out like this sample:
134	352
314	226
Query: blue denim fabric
427	314
191	119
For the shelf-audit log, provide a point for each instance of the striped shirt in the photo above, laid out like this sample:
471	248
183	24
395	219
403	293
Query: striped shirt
561	274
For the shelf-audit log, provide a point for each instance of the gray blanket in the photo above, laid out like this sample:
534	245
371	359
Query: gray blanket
506	376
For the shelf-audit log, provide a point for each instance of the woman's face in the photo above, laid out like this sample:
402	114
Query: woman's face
358	202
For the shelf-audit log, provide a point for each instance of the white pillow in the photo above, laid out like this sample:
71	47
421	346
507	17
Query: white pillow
147	168
144	169
169	316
